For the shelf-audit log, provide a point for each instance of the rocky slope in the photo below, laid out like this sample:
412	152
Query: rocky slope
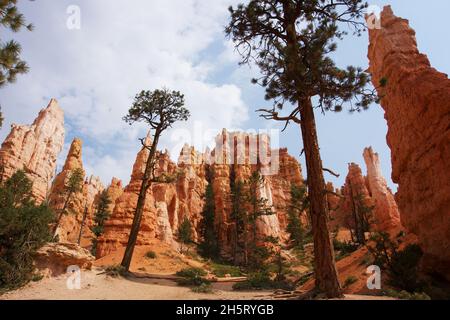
35	149
416	100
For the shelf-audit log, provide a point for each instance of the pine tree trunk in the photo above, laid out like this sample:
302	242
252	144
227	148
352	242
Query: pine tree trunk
82	224
63	210
137	219
324	261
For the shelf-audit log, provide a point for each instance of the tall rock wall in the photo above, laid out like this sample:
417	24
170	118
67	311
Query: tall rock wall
35	149
416	100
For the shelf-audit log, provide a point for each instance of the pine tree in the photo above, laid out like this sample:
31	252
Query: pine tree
72	186
24	227
259	207
102	214
291	42
239	218
297	206
209	245
159	109
184	233
11	64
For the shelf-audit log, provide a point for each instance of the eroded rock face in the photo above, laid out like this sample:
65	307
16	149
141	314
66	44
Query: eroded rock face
54	259
416	100
35	149
385	213
168	203
80	204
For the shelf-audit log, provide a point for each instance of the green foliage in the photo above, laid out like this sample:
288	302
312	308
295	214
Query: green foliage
401	265
151	255
115	271
295	63
10	62
23	230
75	182
298	205
261	281
343	248
159	108
349	281
220	270
102	214
184	233
203	288
405	295
209	246
192	277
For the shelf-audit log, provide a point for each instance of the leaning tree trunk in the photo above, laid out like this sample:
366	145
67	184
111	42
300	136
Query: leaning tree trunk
128	255
83	220
324	260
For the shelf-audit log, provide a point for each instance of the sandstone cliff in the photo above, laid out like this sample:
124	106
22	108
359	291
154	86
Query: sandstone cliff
416	100
35	149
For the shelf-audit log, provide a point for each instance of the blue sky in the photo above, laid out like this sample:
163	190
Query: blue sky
94	72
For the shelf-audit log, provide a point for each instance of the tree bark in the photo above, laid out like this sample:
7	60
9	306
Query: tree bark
63	210
137	219
324	261
82	224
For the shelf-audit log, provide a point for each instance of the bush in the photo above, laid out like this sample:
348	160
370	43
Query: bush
192	277
402	266
24	228
151	255
349	281
220	270
405	295
344	248
115	271
203	288
262	281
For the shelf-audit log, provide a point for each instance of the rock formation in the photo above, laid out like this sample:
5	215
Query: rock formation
35	149
54	259
168	203
80	204
385	213
416	100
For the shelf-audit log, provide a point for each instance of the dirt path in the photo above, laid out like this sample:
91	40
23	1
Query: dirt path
102	287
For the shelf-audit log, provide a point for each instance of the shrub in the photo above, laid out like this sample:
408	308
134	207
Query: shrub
115	271
220	270
405	295
24	228
262	281
151	255
343	249
402	266
192	277
203	288
349	281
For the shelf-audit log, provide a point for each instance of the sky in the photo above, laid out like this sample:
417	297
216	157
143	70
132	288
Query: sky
94	71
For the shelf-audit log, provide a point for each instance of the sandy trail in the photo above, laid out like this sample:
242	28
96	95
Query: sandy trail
96	286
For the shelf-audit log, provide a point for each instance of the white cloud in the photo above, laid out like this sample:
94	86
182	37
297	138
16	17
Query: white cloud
121	49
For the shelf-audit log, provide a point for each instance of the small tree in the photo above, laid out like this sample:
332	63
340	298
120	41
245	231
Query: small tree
239	217
259	206
72	186
297	206
102	214
24	227
159	109
209	245
184	233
